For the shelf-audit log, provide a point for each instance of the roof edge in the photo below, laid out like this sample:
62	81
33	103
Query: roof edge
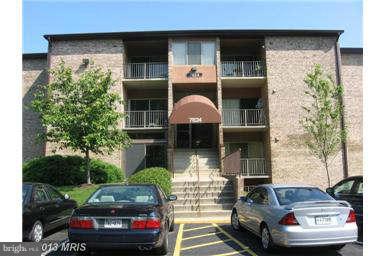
351	50
185	33
38	55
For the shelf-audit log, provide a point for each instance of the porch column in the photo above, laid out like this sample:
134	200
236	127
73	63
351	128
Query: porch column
171	135
220	143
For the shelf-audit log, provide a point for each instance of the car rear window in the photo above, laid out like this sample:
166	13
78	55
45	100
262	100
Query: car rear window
125	194
291	195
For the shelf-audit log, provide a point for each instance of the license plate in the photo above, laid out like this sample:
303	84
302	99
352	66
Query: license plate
113	223
323	220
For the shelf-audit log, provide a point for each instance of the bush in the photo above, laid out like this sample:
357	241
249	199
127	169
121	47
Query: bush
69	170
154	175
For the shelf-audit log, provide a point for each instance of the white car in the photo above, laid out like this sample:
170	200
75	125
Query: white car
295	216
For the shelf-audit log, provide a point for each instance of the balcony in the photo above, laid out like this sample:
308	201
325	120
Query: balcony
146	71
244	118
152	119
242	69
253	167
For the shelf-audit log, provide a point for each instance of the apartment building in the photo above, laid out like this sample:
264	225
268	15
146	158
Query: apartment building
219	108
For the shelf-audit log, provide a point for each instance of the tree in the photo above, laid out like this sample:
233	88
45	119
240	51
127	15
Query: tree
323	116
80	114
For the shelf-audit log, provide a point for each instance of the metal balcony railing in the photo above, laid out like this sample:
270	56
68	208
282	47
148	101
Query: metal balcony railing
243	117
148	70
146	119
242	69
253	167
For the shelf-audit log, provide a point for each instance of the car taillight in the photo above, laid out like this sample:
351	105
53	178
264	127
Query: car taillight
351	217
150	223
289	219
79	222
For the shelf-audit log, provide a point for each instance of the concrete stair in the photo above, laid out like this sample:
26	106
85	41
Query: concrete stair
207	195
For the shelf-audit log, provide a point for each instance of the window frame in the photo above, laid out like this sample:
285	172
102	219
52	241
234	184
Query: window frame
186	47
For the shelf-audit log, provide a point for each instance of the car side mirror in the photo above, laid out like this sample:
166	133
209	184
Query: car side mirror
330	191
66	197
172	197
243	198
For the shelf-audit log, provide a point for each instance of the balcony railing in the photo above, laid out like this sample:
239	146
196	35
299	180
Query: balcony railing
253	167
146	119
148	70
242	69
243	117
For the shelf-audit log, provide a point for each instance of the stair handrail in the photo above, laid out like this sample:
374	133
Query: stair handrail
198	183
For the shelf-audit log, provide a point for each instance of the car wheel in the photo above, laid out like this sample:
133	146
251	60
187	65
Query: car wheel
337	247
36	233
266	239
163	249
235	222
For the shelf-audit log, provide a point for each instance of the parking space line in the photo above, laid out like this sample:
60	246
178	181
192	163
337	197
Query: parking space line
207	244
179	238
198	228
229	253
209	234
245	248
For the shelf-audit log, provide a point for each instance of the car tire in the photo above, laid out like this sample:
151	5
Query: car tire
37	232
163	249
337	247
266	239
235	222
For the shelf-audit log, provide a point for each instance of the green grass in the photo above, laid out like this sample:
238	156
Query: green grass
78	193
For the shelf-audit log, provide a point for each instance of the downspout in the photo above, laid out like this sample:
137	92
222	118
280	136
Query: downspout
342	119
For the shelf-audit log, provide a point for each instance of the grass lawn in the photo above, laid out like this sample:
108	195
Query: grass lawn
78	193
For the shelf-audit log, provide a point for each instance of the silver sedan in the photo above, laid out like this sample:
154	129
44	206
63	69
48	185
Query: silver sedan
291	215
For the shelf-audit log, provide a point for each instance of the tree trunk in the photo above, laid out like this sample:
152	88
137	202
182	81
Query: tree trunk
87	167
326	168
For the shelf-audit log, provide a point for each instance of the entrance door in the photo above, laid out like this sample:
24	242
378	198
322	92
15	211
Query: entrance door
195	136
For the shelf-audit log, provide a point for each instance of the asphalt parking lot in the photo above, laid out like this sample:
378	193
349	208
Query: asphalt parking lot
218	240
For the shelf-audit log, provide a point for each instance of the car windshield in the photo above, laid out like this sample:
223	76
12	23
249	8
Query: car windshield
291	195
26	189
125	194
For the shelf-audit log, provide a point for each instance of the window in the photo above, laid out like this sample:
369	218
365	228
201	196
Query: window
260	196
344	188
54	194
147	104
125	194
287	196
359	187
40	195
194	52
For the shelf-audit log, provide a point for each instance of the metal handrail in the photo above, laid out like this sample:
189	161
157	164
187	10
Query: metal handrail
253	167
243	68
146	118
243	117
146	70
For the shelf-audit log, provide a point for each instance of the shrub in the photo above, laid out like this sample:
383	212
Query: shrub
69	170
154	175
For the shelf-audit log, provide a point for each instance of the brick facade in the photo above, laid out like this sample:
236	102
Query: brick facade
288	59
34	74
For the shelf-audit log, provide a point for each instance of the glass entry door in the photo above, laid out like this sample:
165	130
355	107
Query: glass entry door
194	136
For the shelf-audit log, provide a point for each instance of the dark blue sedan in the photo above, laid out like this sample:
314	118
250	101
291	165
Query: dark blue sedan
124	216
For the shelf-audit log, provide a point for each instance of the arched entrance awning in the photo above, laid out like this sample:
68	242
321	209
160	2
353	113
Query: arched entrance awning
195	109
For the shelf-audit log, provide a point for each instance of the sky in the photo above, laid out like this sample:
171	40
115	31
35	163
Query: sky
75	16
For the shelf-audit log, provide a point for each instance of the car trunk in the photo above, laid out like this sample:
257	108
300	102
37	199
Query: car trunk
110	215
321	214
